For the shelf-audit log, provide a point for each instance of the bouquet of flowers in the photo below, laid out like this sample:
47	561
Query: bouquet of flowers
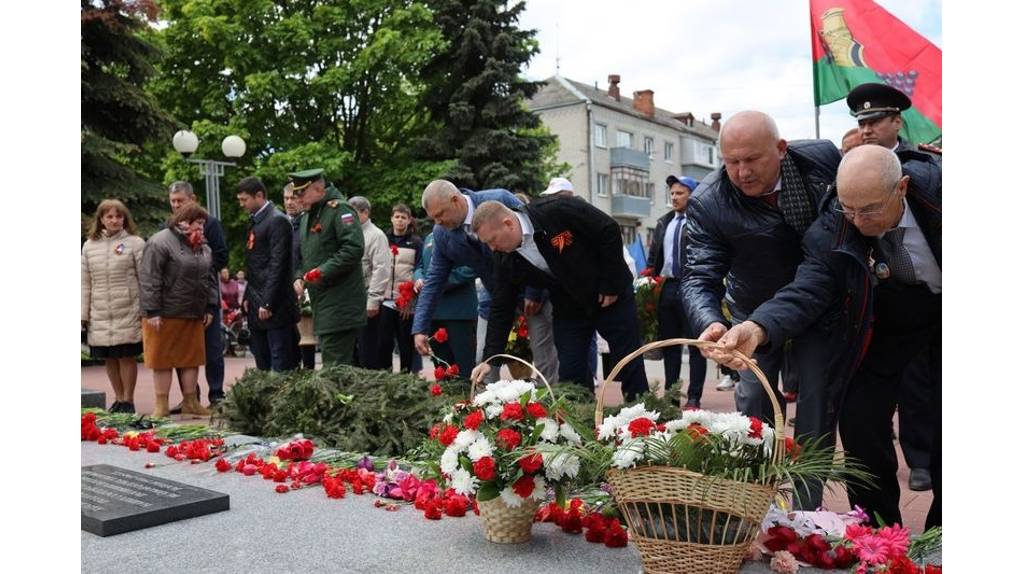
647	290
406	297
519	340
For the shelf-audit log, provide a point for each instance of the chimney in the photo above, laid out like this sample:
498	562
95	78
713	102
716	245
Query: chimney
643	102
685	118
613	86
715	124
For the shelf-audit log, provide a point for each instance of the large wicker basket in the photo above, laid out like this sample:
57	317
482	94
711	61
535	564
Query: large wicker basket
683	521
502	523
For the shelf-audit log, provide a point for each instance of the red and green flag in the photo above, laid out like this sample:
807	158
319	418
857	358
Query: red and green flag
857	41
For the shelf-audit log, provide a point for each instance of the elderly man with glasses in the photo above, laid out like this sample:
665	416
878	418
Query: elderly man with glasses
872	278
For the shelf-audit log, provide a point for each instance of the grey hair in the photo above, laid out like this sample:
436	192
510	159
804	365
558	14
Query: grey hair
288	188
183	187
359	203
884	164
439	189
489	211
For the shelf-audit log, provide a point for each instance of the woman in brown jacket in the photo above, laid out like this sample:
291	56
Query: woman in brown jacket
111	259
179	297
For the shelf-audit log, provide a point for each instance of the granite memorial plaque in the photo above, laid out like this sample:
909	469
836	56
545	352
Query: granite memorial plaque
116	500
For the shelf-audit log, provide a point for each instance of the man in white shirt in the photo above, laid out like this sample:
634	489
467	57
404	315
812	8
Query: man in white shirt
376	266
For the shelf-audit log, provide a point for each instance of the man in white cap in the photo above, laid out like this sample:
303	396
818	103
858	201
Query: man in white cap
560	187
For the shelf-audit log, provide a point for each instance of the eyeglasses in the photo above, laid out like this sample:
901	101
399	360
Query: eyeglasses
866	213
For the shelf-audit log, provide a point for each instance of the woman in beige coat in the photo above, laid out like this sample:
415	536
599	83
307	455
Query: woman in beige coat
111	258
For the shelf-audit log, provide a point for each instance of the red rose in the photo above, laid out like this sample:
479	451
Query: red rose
474	419
524	486
536	410
281	488
484	468
512	412
455	505
452	371
615	535
438	373
313	275
508	437
532	463
755	427
441	335
641	426
449	433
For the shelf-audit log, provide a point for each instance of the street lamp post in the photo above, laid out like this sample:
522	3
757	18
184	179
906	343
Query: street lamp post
186	143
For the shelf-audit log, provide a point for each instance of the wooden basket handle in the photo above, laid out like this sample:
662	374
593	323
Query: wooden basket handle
780	421
536	371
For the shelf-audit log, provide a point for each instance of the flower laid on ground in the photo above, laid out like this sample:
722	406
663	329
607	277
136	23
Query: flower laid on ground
503	444
299	449
576	517
784	562
443	371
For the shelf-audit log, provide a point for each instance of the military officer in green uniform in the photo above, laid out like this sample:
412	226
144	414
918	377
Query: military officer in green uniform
331	265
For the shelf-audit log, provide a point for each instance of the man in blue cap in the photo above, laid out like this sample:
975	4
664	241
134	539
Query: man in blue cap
668	257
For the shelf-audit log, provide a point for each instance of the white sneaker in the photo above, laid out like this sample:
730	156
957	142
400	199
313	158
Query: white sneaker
726	384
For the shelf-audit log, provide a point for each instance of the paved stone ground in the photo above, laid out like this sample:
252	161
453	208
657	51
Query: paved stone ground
914	505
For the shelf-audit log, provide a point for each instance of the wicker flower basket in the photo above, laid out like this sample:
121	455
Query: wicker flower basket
506	525
683	521
503	524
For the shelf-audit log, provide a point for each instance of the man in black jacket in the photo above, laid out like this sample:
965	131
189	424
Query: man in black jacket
668	257
269	301
574	250
872	280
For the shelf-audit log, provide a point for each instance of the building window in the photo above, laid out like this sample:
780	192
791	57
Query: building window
711	154
630	181
649	147
625	139
628	234
668	151
602	184
649	191
600	135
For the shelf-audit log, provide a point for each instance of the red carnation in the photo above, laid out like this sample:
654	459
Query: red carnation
281	488
450	432
536	410
435	390
532	463
484	468
524	486
615	535
507	437
755	427
641	426
441	335
394	249
792	448
433	510
596	533
572	522
452	371
222	465
313	275
455	505
512	412
474	419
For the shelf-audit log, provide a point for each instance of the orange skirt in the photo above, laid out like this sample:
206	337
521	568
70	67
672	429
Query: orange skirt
180	343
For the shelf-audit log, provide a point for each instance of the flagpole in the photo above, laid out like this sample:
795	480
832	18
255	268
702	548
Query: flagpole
817	127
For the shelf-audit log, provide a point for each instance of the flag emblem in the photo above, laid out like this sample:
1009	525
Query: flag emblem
347	218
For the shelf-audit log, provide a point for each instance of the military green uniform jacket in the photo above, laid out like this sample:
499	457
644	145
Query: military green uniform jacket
333	241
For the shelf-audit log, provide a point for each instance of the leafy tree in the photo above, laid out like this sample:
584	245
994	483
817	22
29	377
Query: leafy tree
118	117
476	94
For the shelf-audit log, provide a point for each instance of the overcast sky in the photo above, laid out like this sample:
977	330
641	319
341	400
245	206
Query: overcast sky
703	56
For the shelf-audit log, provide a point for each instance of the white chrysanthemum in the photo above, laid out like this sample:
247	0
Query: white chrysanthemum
570	434
449	460
448	418
465	438
733	426
701	417
550	432
627	455
540	488
464	483
609	428
484	398
493	410
558	466
636	411
480	448
510	498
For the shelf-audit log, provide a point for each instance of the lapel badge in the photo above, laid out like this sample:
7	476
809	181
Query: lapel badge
882	270
119	249
562	240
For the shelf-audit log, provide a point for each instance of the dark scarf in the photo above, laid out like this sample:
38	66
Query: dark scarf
794	200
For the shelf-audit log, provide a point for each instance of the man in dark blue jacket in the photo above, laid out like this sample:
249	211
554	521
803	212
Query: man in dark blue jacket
269	303
871	280
179	194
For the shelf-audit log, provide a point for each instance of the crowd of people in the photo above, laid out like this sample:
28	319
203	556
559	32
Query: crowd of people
822	264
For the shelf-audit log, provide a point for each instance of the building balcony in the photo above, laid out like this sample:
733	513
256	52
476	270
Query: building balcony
632	158
630	206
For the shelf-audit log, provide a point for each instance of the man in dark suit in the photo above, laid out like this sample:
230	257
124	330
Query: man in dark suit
456	244
668	257
574	250
269	301
871	280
